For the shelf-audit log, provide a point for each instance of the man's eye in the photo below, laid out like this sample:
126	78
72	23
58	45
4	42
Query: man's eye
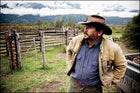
89	26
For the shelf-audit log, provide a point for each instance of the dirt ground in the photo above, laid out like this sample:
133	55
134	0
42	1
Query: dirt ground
49	87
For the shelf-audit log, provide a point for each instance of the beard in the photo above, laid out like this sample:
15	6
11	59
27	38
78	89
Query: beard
87	37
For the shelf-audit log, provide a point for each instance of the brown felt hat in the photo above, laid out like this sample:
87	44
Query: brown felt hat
96	19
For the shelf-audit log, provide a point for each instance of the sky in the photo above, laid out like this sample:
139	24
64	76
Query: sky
43	8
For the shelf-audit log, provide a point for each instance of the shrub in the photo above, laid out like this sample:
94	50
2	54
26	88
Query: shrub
131	35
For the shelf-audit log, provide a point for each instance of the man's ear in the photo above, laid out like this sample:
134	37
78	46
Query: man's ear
100	32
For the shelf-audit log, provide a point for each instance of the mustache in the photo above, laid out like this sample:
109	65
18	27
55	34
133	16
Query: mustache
90	37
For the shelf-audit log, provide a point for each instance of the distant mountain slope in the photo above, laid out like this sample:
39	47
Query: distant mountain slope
13	18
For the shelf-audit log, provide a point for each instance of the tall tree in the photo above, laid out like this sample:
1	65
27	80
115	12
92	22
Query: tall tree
131	35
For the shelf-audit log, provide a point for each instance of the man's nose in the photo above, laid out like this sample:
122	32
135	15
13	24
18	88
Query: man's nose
85	29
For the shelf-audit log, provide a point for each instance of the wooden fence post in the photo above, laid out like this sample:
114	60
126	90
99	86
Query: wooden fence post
40	39
75	32
19	62
13	47
7	40
9	49
43	49
14	50
35	46
66	37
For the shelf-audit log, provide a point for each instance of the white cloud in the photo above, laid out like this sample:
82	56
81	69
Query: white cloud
105	8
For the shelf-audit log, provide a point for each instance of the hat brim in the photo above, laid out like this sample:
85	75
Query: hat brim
107	30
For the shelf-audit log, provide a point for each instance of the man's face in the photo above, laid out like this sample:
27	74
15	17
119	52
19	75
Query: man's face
90	32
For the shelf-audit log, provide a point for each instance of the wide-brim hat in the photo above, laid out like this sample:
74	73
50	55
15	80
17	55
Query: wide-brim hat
98	20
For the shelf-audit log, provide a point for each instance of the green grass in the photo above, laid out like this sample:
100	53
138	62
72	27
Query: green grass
115	34
32	75
4	65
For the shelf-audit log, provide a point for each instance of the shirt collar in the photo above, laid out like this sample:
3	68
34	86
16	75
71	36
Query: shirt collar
96	44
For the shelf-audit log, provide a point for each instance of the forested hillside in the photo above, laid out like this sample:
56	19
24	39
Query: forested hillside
13	18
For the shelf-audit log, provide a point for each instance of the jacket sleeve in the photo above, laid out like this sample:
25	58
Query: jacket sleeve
71	52
119	63
69	56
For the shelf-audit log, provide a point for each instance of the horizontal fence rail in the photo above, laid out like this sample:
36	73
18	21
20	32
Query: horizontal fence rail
16	43
30	39
3	44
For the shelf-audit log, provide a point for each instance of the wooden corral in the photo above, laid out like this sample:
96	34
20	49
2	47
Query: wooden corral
15	43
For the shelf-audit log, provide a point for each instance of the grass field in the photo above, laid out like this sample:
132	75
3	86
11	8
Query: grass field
33	77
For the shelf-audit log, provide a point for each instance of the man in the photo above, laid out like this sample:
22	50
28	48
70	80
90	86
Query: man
92	60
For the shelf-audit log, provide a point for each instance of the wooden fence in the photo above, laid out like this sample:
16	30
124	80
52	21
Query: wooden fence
3	44
53	36
15	43
13	50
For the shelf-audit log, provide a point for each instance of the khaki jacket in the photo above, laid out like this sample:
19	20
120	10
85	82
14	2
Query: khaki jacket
112	62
